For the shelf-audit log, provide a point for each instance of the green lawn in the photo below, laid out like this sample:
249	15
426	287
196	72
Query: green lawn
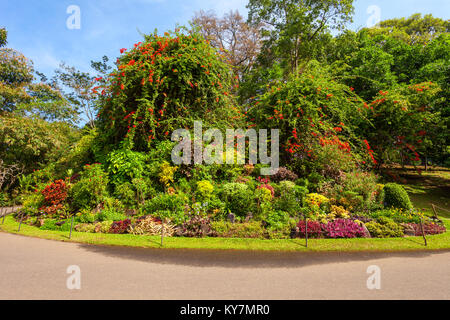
430	187
413	243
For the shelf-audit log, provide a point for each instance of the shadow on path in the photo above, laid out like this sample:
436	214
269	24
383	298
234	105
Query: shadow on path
246	259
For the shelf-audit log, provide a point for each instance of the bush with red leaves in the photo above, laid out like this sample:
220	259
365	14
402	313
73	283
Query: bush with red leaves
315	229
120	227
55	195
196	227
429	228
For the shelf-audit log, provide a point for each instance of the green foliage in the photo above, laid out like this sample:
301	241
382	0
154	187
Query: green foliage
413	30
399	215
312	111
165	205
384	228
82	151
238	198
33	142
176	217
111	214
55	225
113	210
50	224
293	28
3	37
291	197
204	189
396	196
86	216
100	227
31	203
238	230
91	189
125	165
277	219
166	173
356	190
162	84
125	193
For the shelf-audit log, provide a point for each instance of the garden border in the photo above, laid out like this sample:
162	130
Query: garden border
435	243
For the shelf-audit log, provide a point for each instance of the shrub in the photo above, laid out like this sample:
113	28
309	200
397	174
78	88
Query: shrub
204	189
361	218
284	174
216	206
176	217
288	200
50	224
300	193
100	227
165	201
86	216
343	228
338	212
103	227
166	173
125	165
314	229
55	195
91	189
124	192
238	198
331	160
238	230
428	228
396	196
85	227
196	227
269	188
315	199
151	226
351	201
111	214
384	228
161	84
362	183
120	227
263	194
277	219
302	182
314	179
31	203
399	215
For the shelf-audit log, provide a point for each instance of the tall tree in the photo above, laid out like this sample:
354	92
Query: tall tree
413	30
21	94
292	26
239	42
79	90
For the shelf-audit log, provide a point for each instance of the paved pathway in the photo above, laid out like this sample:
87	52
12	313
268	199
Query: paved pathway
36	269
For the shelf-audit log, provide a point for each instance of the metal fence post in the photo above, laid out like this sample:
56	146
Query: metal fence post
20	224
71	226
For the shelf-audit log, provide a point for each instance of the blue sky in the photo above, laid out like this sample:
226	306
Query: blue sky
38	28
